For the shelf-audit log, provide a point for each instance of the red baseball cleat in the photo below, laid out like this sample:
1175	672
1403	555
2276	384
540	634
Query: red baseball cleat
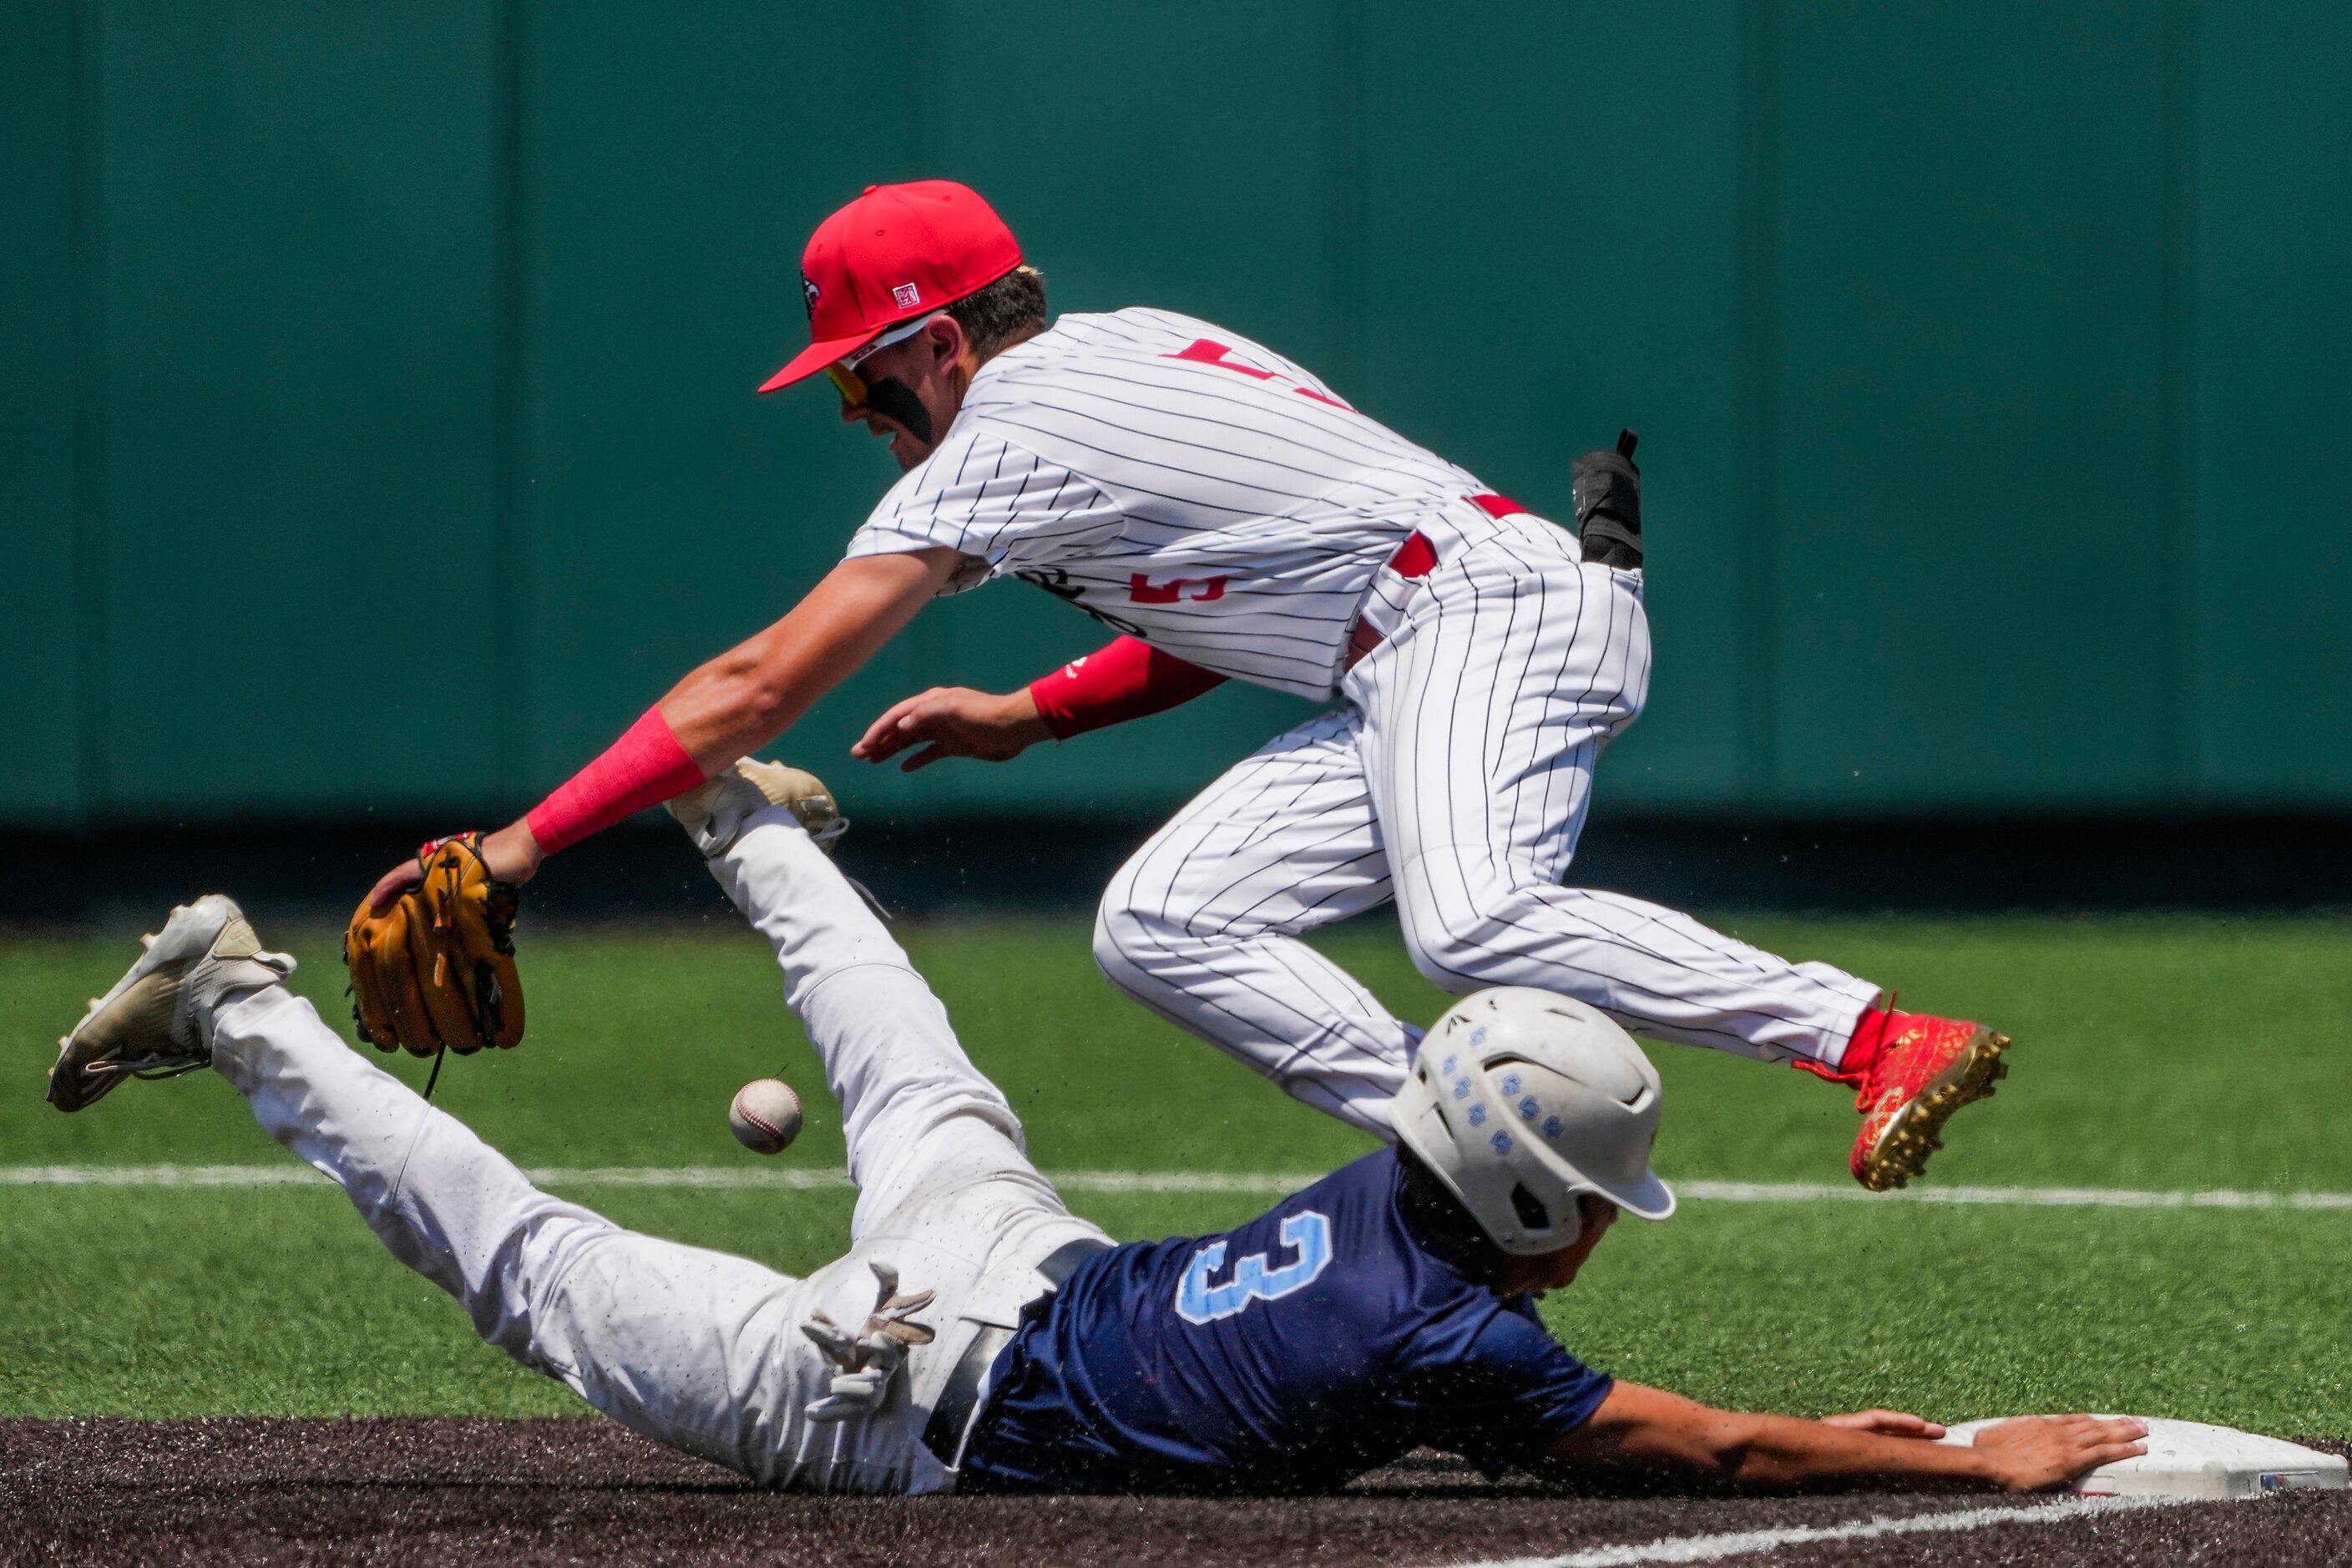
1926	1070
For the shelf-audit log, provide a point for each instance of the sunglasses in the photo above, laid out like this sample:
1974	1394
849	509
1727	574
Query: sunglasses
843	371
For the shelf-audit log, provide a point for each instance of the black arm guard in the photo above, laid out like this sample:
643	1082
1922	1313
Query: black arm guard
1608	490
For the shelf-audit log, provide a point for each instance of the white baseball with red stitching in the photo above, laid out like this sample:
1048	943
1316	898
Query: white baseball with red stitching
765	1115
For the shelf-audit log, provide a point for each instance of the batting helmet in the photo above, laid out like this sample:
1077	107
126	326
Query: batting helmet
1519	1101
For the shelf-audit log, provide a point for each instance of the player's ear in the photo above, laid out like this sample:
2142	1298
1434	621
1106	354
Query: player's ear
946	338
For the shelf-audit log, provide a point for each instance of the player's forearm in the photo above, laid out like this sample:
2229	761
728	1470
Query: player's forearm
752	693
1781	1453
1127	678
730	706
1648	1432
645	767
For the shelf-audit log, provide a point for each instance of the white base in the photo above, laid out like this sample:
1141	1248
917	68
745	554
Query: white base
2190	1460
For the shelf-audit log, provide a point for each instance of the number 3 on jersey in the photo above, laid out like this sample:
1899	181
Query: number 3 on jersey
1198	1302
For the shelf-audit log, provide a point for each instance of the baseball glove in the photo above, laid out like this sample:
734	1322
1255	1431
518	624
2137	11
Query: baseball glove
436	969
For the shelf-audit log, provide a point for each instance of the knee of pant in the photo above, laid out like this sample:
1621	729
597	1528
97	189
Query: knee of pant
512	1303
1127	944
1439	955
1451	921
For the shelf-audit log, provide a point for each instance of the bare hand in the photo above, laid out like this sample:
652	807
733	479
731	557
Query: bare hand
510	855
2035	1453
955	722
1886	1424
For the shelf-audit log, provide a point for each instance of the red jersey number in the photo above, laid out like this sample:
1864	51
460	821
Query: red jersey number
1207	351
1143	590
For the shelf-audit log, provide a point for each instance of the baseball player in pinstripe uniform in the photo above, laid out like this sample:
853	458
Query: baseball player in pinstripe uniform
1230	516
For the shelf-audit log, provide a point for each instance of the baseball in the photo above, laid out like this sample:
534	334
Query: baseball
765	1115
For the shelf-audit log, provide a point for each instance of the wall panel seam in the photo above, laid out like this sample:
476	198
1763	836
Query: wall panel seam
510	510
91	536
2176	415
1345	198
1758	368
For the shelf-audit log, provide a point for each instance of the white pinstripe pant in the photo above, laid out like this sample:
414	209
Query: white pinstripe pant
1455	781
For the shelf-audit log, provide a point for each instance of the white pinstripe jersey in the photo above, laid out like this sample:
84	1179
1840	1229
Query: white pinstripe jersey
1183	485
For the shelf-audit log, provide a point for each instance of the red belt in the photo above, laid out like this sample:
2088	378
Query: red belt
1417	557
1495	506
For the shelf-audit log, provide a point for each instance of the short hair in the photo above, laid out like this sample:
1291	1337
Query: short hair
995	318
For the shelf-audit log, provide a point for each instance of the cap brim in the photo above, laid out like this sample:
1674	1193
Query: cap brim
816	356
1648	1198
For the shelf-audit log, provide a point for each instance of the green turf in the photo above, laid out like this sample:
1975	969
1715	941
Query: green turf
276	1301
2153	1053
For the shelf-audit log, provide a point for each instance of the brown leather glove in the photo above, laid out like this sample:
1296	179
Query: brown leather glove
437	967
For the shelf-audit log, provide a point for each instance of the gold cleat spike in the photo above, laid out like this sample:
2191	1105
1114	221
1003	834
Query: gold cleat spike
1901	1153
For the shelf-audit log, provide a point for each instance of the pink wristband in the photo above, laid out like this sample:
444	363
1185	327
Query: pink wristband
645	767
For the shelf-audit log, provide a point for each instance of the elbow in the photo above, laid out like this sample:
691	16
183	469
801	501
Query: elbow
1728	1453
747	696
765	707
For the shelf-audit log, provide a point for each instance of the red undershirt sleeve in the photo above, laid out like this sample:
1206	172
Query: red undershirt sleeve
1127	680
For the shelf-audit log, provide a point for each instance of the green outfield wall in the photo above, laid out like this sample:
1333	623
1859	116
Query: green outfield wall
378	432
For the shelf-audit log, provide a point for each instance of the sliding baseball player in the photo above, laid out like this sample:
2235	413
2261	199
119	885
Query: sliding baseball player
977	1334
1230	516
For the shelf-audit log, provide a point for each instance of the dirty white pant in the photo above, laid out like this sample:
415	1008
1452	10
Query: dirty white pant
695	1348
1455	781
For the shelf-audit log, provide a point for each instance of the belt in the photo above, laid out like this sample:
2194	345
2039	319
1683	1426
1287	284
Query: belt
1416	558
951	1414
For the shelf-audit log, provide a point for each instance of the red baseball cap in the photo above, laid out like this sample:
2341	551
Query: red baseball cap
895	254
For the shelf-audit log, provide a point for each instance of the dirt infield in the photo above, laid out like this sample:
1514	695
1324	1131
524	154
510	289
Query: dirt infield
586	1492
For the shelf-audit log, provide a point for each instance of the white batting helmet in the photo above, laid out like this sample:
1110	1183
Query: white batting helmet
1519	1101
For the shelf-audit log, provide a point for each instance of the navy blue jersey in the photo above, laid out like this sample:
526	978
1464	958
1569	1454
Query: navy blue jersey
1318	1341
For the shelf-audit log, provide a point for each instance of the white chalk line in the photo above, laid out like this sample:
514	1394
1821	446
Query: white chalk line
1744	1542
2024	1198
790	1178
798	1178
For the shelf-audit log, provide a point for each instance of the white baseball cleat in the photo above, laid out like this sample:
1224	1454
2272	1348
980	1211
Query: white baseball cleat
155	1021
713	813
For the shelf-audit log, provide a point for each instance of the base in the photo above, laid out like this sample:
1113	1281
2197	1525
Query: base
2190	1460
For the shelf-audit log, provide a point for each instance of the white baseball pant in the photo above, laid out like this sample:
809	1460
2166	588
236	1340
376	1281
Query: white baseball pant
694	1348
1455	781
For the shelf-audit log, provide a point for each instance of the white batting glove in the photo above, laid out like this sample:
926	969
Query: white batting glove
864	1362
